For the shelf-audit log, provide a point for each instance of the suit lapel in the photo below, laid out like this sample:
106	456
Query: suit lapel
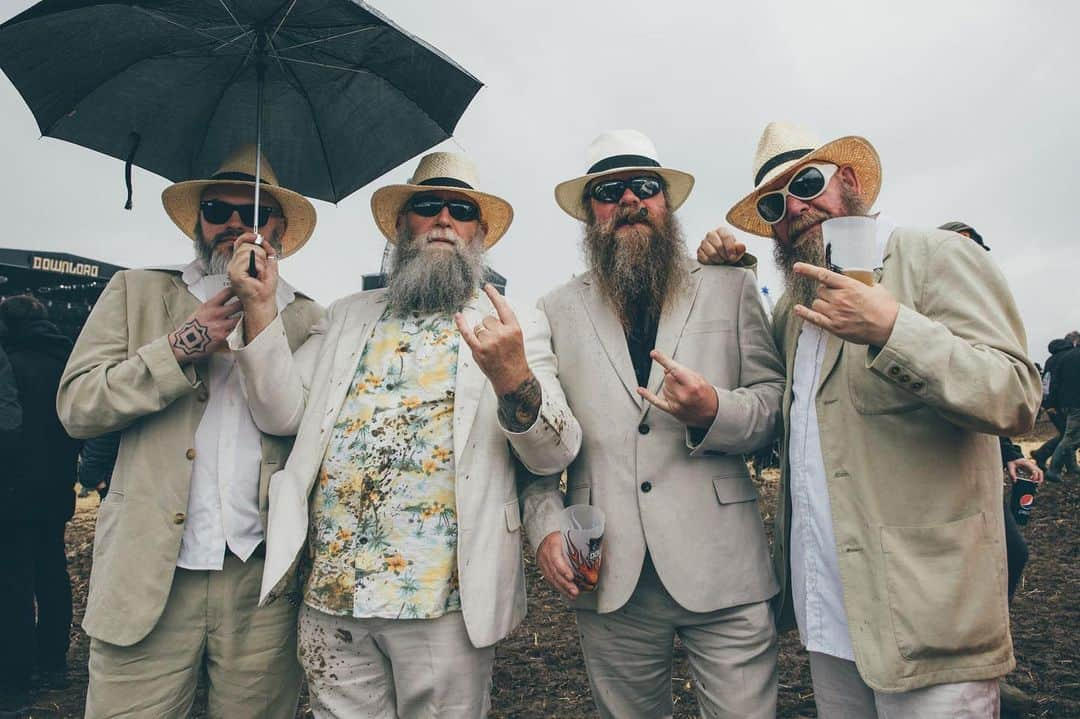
611	336
357	326
833	348
470	378
668	333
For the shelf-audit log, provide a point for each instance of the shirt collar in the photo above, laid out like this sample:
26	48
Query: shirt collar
195	271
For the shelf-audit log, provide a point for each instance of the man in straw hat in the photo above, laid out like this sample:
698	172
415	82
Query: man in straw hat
180	540
670	369
409	405
889	537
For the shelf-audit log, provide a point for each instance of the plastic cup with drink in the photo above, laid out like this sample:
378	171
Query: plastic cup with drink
583	538
851	247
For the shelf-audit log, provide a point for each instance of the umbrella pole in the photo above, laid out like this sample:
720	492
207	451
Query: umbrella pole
260	77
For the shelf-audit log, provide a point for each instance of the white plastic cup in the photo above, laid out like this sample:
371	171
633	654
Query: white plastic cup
851	246
583	539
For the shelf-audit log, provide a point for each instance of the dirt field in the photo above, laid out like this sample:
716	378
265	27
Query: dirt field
539	670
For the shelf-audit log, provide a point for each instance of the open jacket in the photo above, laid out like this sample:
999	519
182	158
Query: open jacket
305	393
122	376
687	500
913	465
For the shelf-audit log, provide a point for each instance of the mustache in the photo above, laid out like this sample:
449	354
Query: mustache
805	221
226	235
439	233
626	215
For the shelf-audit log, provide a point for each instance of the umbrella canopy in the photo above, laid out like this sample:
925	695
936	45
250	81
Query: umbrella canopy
172	85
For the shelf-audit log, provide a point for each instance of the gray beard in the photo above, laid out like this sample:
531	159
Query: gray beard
639	272
431	282
217	263
809	247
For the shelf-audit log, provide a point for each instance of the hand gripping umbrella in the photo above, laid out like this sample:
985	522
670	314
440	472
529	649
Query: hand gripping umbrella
174	85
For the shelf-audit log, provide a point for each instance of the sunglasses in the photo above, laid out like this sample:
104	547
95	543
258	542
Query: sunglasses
217	212
431	205
806	184
610	191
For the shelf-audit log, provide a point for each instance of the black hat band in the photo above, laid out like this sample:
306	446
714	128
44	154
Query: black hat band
779	160
446	182
616	161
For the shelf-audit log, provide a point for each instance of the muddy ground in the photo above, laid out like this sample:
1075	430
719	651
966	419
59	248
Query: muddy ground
539	670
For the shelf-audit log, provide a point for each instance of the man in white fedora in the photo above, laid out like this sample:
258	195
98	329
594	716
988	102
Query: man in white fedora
180	539
889	538
410	405
671	371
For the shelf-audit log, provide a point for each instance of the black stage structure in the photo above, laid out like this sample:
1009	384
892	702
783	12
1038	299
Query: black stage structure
69	285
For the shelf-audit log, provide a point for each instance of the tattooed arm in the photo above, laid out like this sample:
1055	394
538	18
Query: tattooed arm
519	409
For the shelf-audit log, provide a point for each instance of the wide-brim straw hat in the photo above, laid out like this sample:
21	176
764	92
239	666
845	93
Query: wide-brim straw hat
442	171
783	148
182	199
621	151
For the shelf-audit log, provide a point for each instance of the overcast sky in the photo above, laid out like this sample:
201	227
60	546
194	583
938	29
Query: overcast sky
972	106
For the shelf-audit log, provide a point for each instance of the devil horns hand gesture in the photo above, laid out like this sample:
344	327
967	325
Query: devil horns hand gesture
685	394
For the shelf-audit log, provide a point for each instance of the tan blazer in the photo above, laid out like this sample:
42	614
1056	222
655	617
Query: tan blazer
692	505
914	468
122	375
305	394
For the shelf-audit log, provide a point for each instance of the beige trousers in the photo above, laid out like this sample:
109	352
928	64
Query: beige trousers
210	619
840	693
628	655
391	668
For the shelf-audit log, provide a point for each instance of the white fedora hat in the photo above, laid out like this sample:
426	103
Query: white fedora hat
785	147
619	151
442	171
182	199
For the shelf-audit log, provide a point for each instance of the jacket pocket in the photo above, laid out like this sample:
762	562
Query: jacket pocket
943	585
871	394
513	516
735	488
693	328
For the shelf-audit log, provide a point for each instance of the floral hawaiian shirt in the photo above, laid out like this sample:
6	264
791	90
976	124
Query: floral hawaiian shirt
384	517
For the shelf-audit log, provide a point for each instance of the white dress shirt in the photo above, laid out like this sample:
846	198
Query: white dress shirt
815	571
223	504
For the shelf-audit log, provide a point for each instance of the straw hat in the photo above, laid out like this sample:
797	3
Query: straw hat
442	171
785	147
619	151
182	199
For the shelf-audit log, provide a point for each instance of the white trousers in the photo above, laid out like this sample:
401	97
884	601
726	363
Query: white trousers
393	668
840	693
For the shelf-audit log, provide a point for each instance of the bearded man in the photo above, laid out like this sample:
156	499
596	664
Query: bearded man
889	538
180	538
671	371
410	405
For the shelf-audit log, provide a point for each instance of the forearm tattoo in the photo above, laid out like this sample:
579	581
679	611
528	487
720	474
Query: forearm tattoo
519	409
192	338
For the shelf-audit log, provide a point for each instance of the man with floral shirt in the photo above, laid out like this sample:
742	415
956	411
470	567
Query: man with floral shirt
402	478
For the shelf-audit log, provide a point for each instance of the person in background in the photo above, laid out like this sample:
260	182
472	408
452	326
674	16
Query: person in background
14	682
1065	395
1057	348
96	463
38	501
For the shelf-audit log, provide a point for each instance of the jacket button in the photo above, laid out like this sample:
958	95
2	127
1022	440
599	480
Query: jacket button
646	486
894	370
905	378
190	454
916	386
179	518
643	428
202	395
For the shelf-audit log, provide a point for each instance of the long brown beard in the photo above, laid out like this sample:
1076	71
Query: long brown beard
641	270
433	281
806	245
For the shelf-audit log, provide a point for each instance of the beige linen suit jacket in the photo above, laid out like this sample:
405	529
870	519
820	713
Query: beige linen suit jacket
305	394
122	376
908	435
692	505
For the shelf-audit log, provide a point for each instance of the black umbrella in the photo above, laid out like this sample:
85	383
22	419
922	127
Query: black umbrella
173	85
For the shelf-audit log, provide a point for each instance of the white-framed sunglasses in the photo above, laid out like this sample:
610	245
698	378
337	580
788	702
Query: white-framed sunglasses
806	184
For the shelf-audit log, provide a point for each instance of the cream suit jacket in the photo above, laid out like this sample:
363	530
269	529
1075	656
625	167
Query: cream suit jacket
691	504
122	376
304	396
913	466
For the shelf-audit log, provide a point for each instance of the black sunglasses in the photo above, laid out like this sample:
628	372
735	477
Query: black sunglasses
431	205
806	184
610	191
218	212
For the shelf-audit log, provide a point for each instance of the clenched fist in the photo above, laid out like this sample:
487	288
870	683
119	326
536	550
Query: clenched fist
720	248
